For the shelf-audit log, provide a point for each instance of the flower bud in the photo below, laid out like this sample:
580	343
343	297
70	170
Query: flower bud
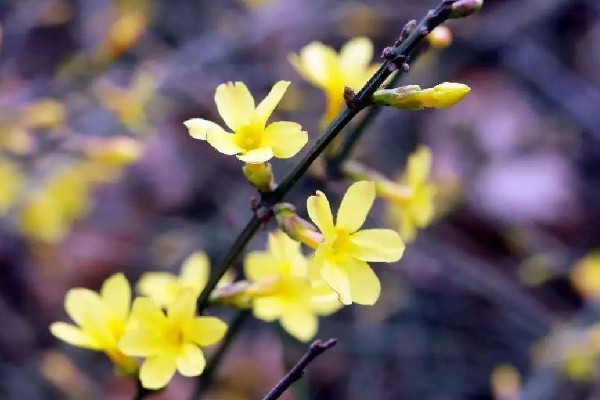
412	97
260	176
440	37
464	8
296	227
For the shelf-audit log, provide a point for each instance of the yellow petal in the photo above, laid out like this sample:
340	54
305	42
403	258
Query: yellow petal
81	304
257	156
235	104
266	107
408	228
337	280
320	213
377	245
317	63
116	296
74	336
157	371
146	315
191	361
161	287
184	306
418	166
355	57
143	342
195	271
286	139
205	331
324	301
198	127
301	324
223	142
260	265
267	308
364	284
355	206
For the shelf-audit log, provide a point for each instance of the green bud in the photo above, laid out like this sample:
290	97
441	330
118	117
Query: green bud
260	176
412	97
464	8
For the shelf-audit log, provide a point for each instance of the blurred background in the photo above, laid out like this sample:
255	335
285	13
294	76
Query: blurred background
99	175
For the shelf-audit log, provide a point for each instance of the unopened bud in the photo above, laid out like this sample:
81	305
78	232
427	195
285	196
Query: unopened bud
260	176
440	37
295	227
412	97
464	8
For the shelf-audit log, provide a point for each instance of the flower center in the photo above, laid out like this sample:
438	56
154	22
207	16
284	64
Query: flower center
248	137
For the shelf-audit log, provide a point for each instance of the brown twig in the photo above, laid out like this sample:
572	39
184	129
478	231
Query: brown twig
316	348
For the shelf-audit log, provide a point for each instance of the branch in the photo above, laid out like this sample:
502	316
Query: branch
395	57
317	348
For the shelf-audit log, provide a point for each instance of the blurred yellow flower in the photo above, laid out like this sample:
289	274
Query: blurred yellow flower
44	114
284	289
252	141
169	342
163	287
49	211
410	202
12	181
342	257
586	275
322	66
100	320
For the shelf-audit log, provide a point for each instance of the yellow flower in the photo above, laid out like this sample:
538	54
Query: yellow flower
49	212
410	202
163	287
169	342
342	257
284	289
586	275
12	180
100	319
252	141
322	66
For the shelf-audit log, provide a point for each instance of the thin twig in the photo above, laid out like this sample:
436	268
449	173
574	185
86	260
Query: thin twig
205	379
317	348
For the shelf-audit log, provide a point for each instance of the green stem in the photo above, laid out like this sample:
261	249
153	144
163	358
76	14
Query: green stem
205	379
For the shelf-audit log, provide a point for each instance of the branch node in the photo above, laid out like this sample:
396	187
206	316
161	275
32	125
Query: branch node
349	96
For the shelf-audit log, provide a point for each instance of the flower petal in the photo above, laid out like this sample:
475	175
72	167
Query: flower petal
324	300
223	142
74	336
161	287
355	57
257	156
418	166
146	315
317	63
355	206
183	307
142	342
377	245
205	331
198	127
364	284
267	308
235	104
337	280
259	265
320	213
157	371
191	361
194	271
285	138
301	324
82	305
266	107
116	296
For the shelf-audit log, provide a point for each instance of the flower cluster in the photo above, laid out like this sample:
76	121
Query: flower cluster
160	333
168	342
